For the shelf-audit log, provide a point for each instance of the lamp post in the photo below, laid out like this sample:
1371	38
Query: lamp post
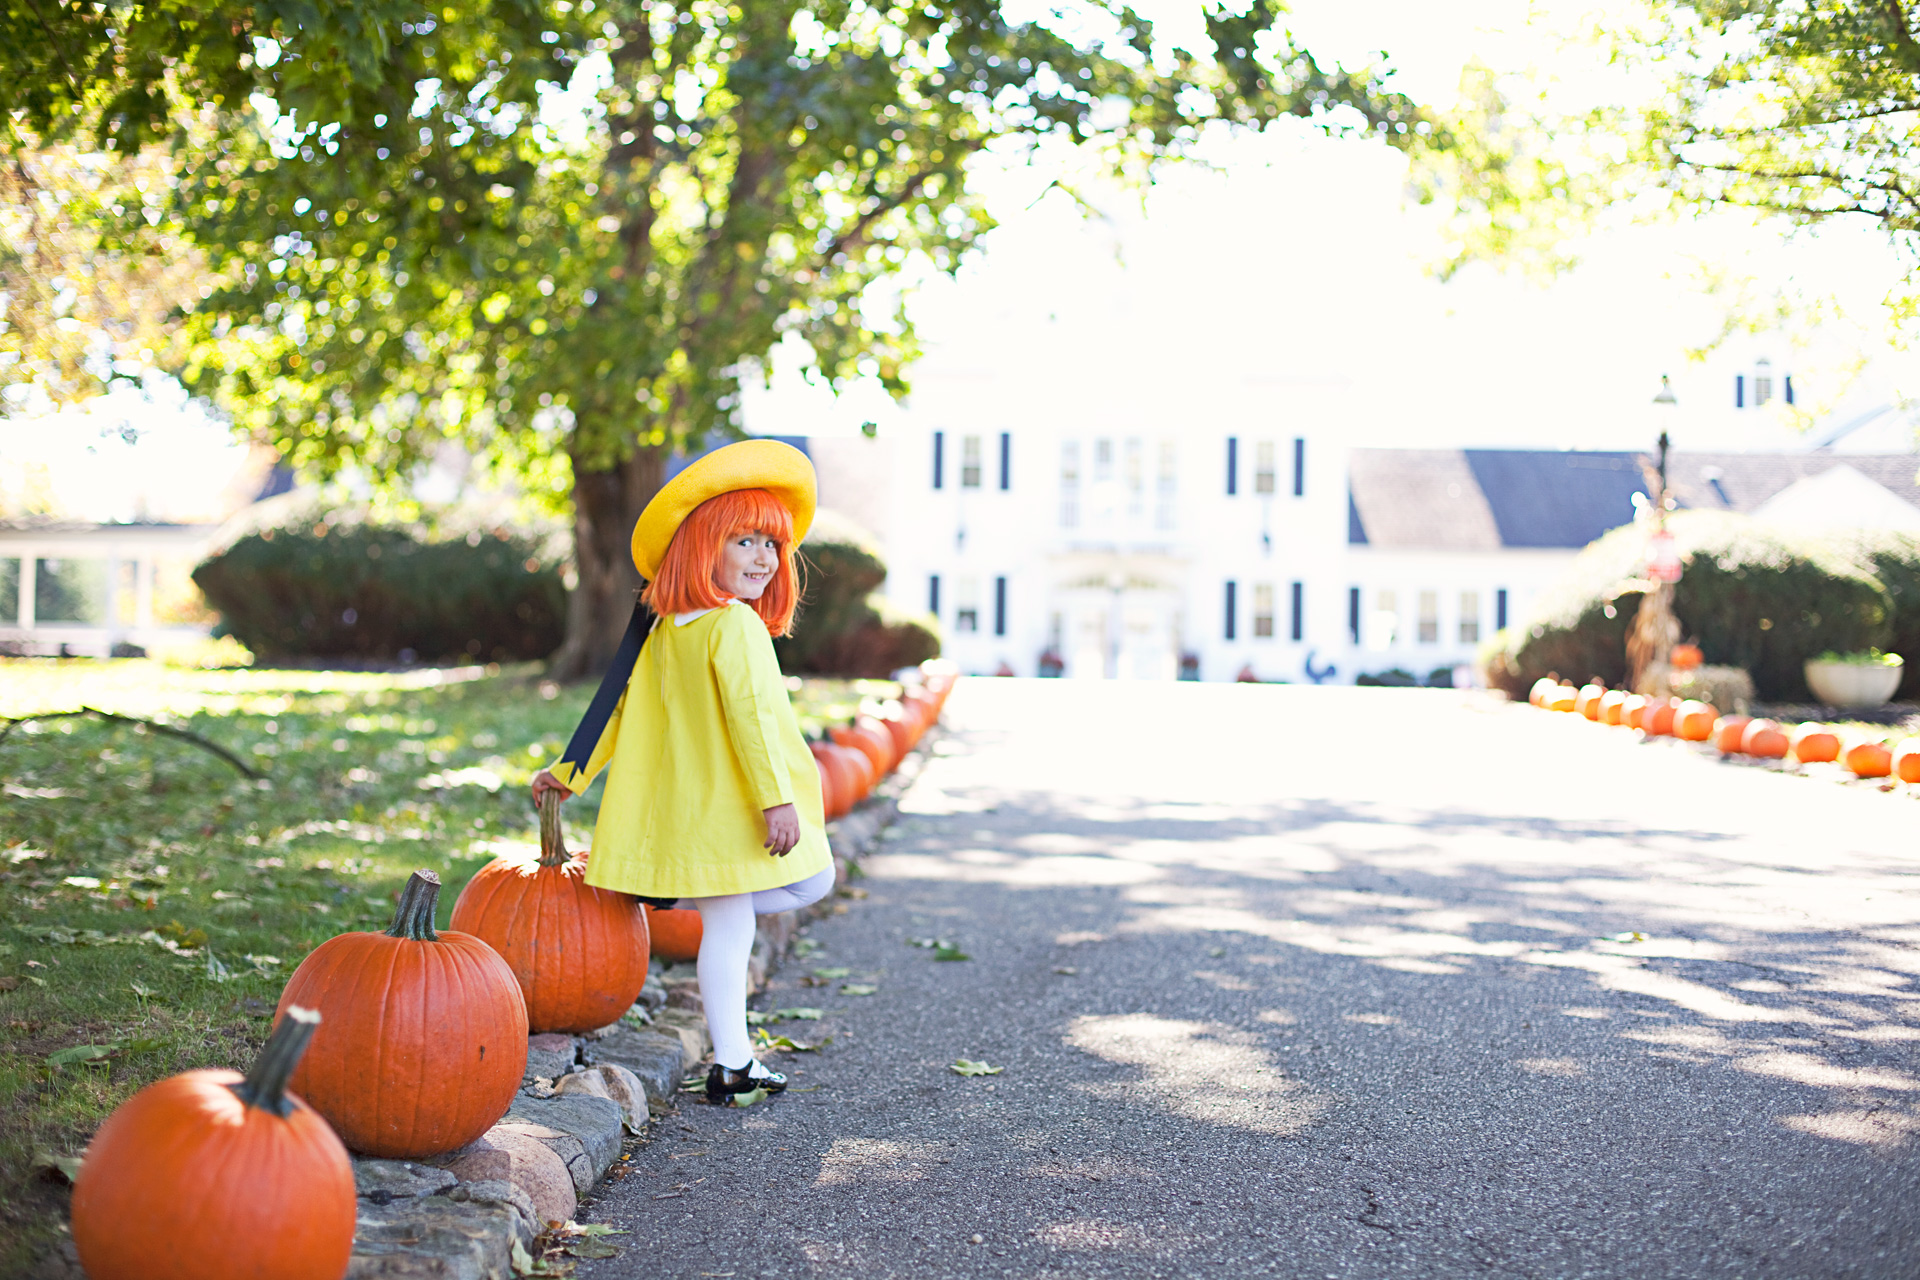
1655	630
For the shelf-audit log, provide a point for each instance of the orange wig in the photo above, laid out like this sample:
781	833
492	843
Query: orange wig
686	578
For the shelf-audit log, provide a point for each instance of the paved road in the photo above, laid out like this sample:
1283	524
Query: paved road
1317	982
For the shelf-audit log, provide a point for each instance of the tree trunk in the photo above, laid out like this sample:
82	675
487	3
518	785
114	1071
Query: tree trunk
606	505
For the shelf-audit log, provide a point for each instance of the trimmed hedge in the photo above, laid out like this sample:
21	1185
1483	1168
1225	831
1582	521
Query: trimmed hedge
1751	595
1895	560
325	589
842	629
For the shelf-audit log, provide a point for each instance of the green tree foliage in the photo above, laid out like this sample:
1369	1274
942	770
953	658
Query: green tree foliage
1804	109
842	629
408	250
1751	596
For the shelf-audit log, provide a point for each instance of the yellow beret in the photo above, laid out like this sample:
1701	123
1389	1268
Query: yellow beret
780	469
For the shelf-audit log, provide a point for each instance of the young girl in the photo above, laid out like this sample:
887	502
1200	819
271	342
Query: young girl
711	792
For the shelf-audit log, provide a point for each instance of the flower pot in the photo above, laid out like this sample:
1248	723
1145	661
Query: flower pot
1852	684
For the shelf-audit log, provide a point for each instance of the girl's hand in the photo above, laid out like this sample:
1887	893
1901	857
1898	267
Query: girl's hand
543	782
783	829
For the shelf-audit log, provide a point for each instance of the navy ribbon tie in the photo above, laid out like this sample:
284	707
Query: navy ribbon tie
594	723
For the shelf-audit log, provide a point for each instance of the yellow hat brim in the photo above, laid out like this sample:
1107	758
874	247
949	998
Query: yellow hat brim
780	469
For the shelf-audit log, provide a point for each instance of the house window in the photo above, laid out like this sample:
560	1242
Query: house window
1762	383
970	462
1299	626
1299	467
1103	462
1429	617
1469	617
1136	477
1006	461
939	459
999	606
1263	611
1263	467
1070	484
933	594
1166	483
1384	628
1233	609
966	604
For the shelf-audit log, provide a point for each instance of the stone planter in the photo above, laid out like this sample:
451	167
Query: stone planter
1851	684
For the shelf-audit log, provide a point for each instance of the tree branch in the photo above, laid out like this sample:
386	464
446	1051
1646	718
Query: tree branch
154	725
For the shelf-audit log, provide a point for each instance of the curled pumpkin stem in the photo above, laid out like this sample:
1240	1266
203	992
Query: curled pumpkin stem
266	1085
553	841
414	918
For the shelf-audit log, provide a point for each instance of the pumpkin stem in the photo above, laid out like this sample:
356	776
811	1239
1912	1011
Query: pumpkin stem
266	1085
553	843
414	918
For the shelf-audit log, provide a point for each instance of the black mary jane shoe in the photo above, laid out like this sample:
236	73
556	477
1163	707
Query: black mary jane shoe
724	1082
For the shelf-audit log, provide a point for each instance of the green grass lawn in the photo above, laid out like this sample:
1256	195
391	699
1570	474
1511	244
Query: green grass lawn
153	899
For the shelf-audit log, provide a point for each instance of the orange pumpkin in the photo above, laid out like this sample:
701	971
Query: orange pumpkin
1537	696
676	933
1816	744
1587	702
833	801
579	953
1685	657
862	776
212	1173
923	707
840	783
866	736
1693	721
1906	760
1613	705
1633	710
1869	759
1728	732
426	1033
1765	739
1657	720
1563	698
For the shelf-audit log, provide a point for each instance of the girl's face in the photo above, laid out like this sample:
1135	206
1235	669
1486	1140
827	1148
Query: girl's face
747	564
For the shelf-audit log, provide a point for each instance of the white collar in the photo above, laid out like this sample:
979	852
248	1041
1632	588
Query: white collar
682	619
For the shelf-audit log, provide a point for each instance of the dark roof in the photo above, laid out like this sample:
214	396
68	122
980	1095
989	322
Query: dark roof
1487	499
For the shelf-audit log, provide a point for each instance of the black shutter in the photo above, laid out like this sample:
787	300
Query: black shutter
1353	611
1500	609
1006	460
1788	381
1299	470
1232	611
939	458
1739	391
1233	469
1000	606
1299	610
933	594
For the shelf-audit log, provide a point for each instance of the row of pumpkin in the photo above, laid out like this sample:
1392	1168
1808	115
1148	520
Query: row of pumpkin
211	1175
1864	754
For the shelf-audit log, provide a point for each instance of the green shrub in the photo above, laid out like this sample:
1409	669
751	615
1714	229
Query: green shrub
331	588
1895	559
1751	595
842	629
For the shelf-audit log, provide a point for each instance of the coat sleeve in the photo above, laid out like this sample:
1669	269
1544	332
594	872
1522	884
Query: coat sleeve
751	697
577	775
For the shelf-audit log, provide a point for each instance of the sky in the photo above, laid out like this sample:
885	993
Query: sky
1279	256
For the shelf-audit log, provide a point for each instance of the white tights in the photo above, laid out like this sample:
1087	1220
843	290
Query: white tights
726	942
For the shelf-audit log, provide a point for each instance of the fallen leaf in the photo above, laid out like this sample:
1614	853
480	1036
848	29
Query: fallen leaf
1065	969
590	1248
1632	935
829	975
967	1067
81	1053
799	1015
751	1098
951	953
53	1162
858	989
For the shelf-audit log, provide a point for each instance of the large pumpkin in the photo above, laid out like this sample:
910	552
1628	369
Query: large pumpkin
579	953
1563	698
676	933
1633	710
1764	739
426	1033
1613	707
866	736
215	1174
829	791
839	773
1694	721
1868	759
1728	732
1816	744
1906	760
1587	702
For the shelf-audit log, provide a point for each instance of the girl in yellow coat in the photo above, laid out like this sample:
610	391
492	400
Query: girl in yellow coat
711	792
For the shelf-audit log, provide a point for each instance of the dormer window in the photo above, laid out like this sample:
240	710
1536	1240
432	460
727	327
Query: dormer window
1762	383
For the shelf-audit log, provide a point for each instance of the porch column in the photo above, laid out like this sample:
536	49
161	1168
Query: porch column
29	567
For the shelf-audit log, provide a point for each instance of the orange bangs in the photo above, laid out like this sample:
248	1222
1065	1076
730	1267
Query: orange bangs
686	578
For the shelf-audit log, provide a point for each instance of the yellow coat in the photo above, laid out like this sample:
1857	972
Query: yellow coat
702	741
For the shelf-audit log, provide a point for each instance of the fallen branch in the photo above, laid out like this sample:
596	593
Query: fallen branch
167	729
